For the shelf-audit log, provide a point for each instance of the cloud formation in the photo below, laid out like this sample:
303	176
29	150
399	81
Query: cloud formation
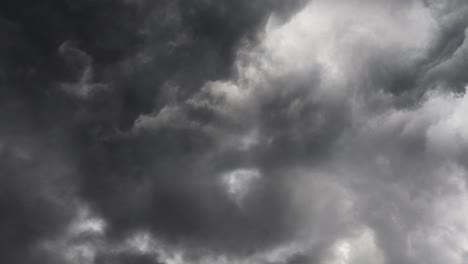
275	132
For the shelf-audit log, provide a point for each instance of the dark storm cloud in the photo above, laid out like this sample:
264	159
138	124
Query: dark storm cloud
38	175
34	197
75	73
254	131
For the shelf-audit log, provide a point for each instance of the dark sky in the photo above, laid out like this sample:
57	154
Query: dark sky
233	132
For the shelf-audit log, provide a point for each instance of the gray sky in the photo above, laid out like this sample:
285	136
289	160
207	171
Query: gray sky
233	132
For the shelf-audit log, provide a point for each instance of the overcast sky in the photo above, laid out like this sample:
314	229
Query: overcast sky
233	132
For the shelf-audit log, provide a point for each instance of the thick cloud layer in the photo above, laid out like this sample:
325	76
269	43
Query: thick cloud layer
260	131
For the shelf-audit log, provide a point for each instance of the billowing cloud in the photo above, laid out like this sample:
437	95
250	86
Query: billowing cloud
263	131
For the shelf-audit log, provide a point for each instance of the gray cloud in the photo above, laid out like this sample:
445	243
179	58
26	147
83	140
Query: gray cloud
221	132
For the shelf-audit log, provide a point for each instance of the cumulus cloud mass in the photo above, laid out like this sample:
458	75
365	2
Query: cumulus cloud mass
233	132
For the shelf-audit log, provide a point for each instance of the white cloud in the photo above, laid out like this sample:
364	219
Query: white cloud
359	249
238	183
